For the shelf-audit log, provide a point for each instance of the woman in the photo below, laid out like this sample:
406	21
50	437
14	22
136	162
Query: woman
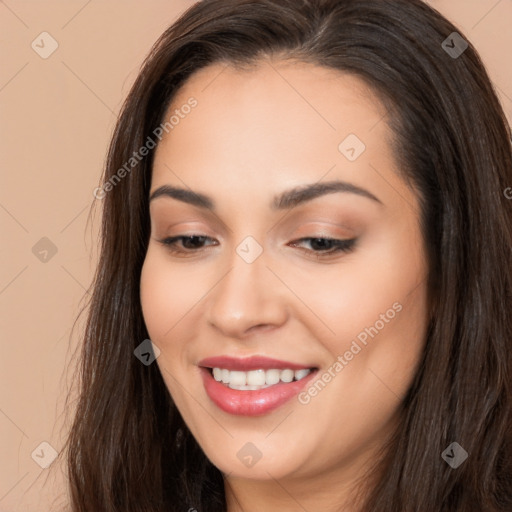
304	211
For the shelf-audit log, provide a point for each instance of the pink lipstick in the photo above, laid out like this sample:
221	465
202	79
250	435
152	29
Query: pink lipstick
252	386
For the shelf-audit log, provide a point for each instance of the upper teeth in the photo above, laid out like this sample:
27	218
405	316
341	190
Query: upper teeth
256	379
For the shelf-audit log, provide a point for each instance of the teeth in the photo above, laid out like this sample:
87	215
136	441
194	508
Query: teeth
287	375
257	379
237	378
272	377
217	374
300	374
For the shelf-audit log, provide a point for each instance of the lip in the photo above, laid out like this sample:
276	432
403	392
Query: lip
252	402
246	364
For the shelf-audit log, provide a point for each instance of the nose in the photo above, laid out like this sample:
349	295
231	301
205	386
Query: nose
249	298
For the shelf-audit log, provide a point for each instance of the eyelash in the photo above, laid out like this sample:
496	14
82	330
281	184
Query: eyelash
340	246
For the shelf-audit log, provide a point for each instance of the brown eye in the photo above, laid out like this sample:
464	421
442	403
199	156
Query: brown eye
190	243
322	246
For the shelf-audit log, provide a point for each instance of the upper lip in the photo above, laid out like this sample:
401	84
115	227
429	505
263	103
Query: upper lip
250	363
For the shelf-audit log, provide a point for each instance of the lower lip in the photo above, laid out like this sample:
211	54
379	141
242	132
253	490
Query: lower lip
251	403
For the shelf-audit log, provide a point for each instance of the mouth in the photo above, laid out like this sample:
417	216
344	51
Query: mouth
252	386
257	379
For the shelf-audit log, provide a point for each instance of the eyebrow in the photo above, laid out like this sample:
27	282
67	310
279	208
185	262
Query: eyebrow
285	200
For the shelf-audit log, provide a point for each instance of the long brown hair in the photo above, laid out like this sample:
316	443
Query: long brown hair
129	449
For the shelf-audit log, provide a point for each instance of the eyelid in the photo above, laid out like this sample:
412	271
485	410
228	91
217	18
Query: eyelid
327	224
340	246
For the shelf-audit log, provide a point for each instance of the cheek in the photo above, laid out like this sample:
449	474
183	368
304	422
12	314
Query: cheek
376	310
365	293
156	294
166	297
167	294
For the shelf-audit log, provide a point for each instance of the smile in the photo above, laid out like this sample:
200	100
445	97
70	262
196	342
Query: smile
257	379
252	386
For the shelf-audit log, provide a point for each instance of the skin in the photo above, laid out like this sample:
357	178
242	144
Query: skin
253	134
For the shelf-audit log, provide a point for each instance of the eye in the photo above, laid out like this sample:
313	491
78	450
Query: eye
324	247
321	246
191	243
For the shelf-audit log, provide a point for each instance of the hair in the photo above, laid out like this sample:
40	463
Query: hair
129	449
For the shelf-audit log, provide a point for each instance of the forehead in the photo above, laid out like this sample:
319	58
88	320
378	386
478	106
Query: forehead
273	125
303	90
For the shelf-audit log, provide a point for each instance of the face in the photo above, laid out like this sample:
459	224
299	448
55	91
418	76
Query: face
294	273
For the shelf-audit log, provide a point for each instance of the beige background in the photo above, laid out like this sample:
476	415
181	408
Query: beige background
56	118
